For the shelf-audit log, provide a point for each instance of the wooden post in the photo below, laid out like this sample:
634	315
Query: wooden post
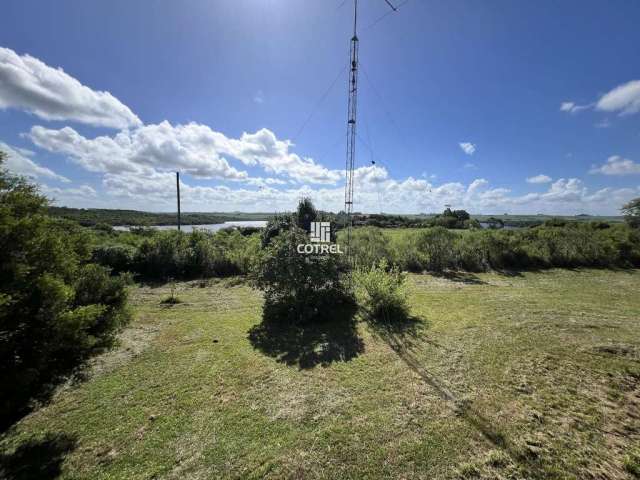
178	190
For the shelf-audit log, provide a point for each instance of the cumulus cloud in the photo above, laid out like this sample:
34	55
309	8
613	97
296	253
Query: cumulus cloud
31	85
539	179
375	192
567	191
18	162
192	148
616	165
624	99
467	147
71	197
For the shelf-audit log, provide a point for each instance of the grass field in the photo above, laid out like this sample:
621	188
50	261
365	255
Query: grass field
526	376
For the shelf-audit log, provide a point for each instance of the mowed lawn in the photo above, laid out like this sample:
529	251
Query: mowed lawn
535	375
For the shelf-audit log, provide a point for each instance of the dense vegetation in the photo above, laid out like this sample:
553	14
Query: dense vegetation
56	308
556	244
298	287
159	255
94	216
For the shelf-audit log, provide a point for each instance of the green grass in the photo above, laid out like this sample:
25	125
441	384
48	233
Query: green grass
528	376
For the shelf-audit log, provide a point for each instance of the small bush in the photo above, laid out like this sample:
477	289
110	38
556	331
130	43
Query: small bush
369	246
381	292
300	286
119	258
434	246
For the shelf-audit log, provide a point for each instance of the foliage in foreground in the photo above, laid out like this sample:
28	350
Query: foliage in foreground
298	287
381	292
56	310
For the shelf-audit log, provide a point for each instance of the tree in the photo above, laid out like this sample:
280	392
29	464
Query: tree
56	308
298	287
631	212
306	214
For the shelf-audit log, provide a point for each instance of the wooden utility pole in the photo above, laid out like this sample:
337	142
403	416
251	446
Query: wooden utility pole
178	191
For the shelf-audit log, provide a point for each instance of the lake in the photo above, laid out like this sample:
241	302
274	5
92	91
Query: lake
212	227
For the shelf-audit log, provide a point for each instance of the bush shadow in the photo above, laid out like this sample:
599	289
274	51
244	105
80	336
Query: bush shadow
467	278
37	458
404	334
326	338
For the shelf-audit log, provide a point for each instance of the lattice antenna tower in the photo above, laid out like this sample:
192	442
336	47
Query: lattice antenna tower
351	124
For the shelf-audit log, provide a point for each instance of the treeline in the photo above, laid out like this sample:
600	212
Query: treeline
564	245
90	217
160	255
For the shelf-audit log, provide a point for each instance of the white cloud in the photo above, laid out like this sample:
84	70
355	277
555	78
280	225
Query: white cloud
567	191
616	165
624	99
18	162
567	106
539	179
477	185
259	97
192	148
375	191
467	147
31	85
571	107
469	166
273	155
71	197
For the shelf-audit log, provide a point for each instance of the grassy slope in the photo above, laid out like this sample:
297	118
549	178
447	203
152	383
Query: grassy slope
532	376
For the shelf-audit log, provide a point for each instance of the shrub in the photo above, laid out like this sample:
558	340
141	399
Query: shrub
434	246
198	254
55	309
631	211
119	258
299	287
369	246
275	225
381	292
471	252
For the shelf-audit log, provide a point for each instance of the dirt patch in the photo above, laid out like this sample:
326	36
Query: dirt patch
131	343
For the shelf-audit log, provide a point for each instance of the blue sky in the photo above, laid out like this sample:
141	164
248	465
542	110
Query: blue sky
499	106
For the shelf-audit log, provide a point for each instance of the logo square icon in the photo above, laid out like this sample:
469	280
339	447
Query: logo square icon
320	232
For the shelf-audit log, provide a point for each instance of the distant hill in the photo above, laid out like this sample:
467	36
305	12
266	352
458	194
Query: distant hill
92	216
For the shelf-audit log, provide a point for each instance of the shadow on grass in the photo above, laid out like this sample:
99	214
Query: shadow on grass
467	278
403	333
37	458
330	337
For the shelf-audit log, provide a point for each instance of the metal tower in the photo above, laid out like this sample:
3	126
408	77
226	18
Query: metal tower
351	127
